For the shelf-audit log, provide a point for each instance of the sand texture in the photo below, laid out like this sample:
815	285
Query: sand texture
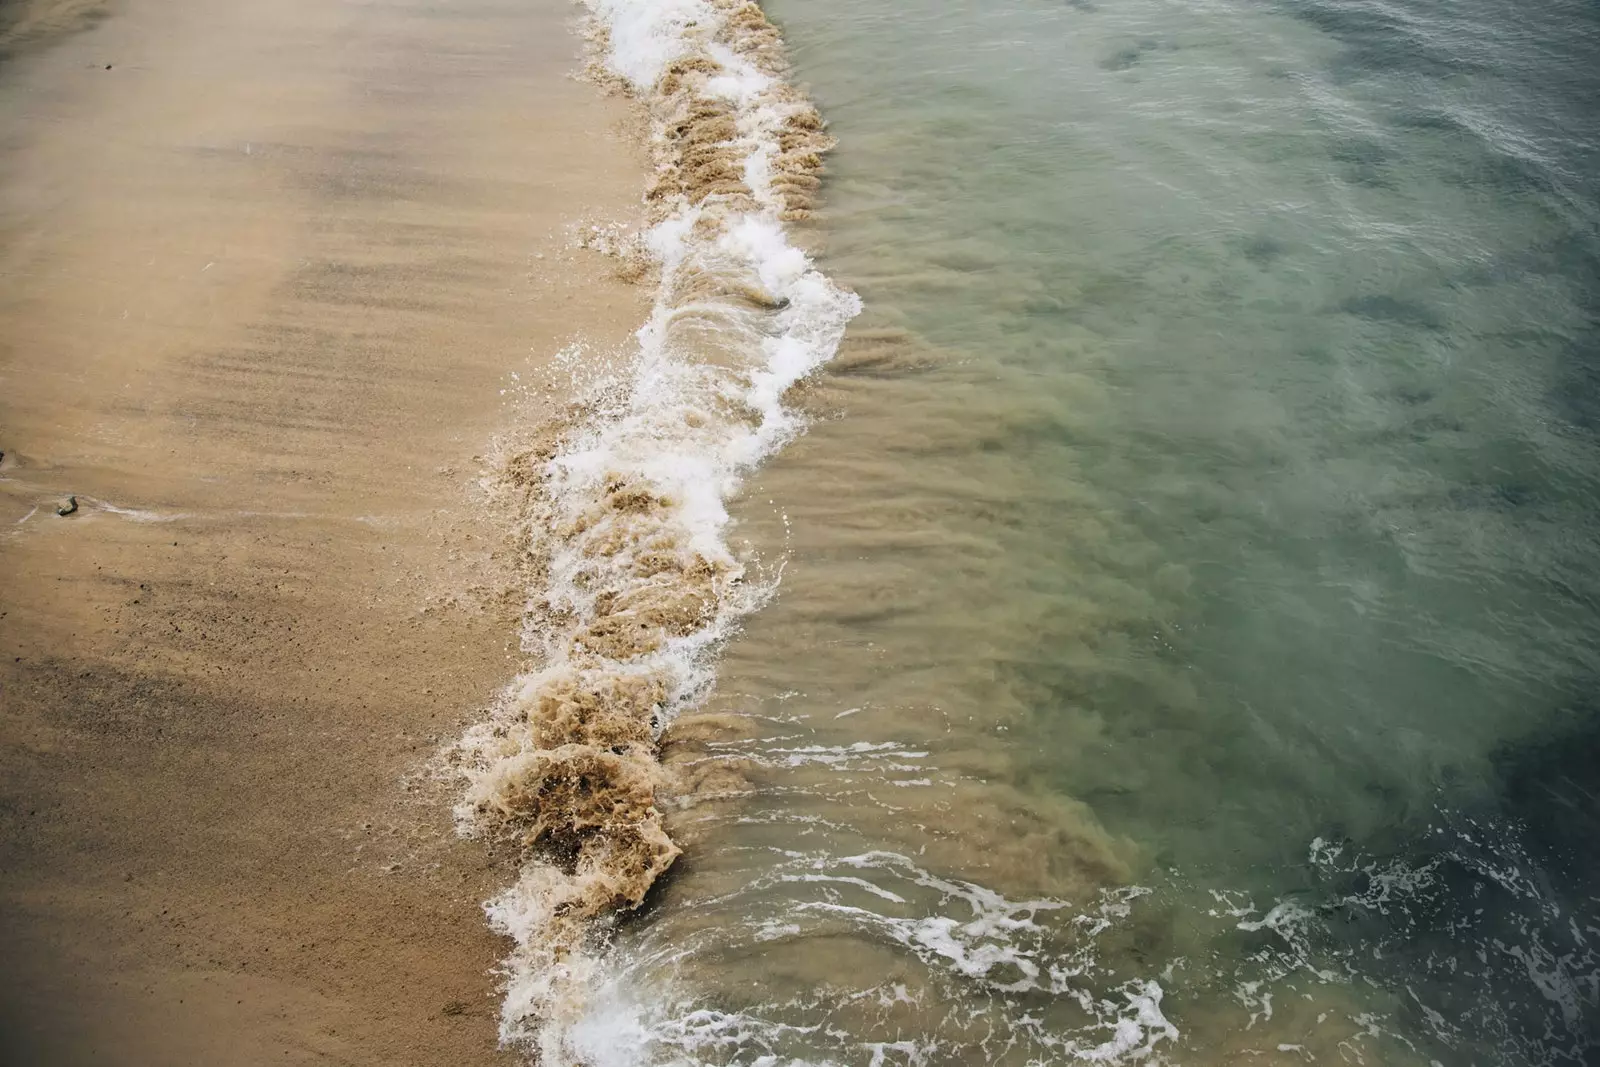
267	271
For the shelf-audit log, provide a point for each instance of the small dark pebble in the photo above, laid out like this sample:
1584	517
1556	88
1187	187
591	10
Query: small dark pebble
67	506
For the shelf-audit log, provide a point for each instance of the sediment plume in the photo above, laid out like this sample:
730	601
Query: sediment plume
623	505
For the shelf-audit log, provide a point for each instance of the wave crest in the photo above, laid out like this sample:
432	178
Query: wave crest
632	584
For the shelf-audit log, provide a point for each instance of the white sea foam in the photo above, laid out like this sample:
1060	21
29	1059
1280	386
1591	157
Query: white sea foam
993	953
633	582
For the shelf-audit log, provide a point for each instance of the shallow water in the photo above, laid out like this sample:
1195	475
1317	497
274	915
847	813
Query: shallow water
1187	638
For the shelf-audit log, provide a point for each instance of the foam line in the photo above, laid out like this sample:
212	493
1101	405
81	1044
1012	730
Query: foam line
626	508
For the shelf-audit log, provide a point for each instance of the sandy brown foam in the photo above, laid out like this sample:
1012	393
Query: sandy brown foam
621	505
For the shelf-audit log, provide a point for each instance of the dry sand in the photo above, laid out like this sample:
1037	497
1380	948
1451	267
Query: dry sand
267	268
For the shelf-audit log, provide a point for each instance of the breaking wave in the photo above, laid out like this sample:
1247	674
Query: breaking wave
632	584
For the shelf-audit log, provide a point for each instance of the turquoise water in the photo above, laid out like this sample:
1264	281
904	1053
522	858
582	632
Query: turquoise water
1186	645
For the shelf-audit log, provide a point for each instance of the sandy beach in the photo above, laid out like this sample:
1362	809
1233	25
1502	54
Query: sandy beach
269	270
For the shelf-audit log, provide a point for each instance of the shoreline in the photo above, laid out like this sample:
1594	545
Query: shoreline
265	302
633	586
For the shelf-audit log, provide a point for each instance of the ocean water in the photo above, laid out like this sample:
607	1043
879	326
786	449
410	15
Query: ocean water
1185	648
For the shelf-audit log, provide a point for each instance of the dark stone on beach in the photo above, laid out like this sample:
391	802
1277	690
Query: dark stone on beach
67	506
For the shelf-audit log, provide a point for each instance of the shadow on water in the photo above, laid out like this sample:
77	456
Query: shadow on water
1550	786
1577	391
1489	919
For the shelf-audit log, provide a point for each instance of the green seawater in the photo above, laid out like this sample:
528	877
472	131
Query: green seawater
1186	647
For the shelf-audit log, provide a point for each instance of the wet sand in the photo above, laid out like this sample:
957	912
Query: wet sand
267	271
